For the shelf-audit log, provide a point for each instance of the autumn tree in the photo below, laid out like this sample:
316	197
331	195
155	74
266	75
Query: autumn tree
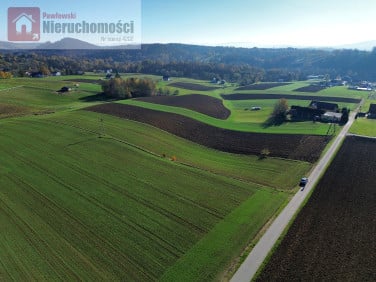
279	113
130	88
44	70
5	75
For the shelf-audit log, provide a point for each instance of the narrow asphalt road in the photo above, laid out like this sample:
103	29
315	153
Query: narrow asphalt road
254	260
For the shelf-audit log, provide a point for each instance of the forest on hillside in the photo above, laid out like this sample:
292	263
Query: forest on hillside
240	65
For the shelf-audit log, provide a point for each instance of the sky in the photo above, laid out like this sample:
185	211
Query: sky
264	23
246	23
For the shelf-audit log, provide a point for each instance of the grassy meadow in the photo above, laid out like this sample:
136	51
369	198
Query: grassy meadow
362	125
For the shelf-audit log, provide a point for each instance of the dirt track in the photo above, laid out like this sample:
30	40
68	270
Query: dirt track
200	103
298	147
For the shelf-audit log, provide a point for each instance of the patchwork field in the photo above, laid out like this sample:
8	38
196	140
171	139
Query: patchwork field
90	196
299	147
332	238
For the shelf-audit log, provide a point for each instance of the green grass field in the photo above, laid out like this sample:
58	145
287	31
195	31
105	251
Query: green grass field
76	205
265	172
363	126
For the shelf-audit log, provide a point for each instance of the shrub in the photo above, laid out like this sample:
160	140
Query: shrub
264	153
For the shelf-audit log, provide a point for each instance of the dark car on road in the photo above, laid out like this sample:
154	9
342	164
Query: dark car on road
303	182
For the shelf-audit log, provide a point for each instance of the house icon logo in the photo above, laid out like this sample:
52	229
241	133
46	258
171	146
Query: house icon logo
24	24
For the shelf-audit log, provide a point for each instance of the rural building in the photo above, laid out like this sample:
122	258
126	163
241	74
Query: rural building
318	105
166	78
372	111
362	86
331	117
305	113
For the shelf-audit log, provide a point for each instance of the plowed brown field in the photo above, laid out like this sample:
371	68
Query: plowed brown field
299	147
192	86
200	103
310	88
239	96
262	86
333	237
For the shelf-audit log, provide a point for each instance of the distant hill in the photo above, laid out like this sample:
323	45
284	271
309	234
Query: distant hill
273	64
4	45
65	43
365	46
72	43
68	43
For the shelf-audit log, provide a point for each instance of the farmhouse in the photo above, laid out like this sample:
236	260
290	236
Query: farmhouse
372	111
305	113
166	78
317	110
